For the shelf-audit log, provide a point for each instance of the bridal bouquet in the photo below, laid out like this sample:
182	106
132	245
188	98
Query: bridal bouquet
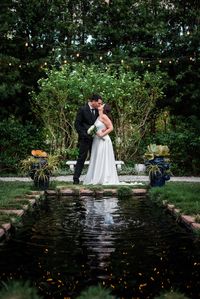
92	131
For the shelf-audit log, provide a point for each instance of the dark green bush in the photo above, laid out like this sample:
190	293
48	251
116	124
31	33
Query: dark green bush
17	141
96	292
182	138
18	290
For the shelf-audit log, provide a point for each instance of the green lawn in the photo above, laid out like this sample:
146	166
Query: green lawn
8	192
185	196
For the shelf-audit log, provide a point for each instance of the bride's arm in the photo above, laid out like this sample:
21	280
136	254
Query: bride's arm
109	126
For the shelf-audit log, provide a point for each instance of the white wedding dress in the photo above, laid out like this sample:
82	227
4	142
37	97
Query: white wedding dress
102	169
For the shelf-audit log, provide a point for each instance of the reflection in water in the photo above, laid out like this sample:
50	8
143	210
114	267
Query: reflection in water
128	245
99	221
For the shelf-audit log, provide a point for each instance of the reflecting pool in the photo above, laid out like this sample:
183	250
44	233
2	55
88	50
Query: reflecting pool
128	245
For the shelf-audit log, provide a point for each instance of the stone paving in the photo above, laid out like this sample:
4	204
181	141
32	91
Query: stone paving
122	178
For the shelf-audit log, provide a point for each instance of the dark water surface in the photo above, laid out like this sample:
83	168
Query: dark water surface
131	246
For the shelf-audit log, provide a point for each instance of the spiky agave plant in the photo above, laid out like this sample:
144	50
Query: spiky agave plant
154	150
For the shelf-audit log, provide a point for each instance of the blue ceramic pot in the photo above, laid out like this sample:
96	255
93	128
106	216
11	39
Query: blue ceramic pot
158	179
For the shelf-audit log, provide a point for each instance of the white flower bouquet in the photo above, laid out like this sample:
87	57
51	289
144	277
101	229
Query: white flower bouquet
92	131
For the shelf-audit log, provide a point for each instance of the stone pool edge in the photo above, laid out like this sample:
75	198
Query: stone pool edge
33	196
187	220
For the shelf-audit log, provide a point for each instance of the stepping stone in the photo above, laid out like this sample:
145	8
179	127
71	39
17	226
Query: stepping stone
139	191
25	207
2	232
195	225
6	226
170	207
32	202
86	192
188	219
36	193
50	192
66	192
32	196
17	212
176	211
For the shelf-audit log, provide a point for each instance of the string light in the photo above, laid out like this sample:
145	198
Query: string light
147	61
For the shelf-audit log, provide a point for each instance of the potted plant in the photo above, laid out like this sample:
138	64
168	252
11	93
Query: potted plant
39	167
157	164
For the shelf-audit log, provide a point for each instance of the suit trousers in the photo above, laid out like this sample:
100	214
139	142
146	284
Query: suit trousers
85	146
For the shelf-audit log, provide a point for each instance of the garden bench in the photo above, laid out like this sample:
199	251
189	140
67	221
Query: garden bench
73	163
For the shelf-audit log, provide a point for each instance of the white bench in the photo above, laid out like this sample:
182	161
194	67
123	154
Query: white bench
73	163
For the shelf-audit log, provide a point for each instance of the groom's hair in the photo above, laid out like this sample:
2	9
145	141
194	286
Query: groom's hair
95	97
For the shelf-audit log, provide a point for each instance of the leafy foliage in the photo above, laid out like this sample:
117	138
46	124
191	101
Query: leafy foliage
131	96
16	141
19	290
140	36
96	292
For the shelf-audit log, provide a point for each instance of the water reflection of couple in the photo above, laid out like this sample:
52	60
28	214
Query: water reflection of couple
102	168
99	226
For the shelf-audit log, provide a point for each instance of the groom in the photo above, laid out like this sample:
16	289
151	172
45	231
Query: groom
85	118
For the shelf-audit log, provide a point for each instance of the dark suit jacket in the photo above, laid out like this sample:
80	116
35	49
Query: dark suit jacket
84	120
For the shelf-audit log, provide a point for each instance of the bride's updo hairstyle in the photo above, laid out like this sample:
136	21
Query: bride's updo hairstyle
107	110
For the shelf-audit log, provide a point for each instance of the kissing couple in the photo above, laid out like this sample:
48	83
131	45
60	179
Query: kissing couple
93	126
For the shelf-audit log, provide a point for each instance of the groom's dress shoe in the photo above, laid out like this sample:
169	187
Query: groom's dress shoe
76	182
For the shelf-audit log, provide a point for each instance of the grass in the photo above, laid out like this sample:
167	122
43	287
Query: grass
185	196
9	190
8	193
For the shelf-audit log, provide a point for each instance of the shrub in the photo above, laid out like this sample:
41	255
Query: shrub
17	140
18	290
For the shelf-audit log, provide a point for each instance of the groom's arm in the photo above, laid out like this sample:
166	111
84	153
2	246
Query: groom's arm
79	124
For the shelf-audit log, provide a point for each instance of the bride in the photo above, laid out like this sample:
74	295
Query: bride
102	169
